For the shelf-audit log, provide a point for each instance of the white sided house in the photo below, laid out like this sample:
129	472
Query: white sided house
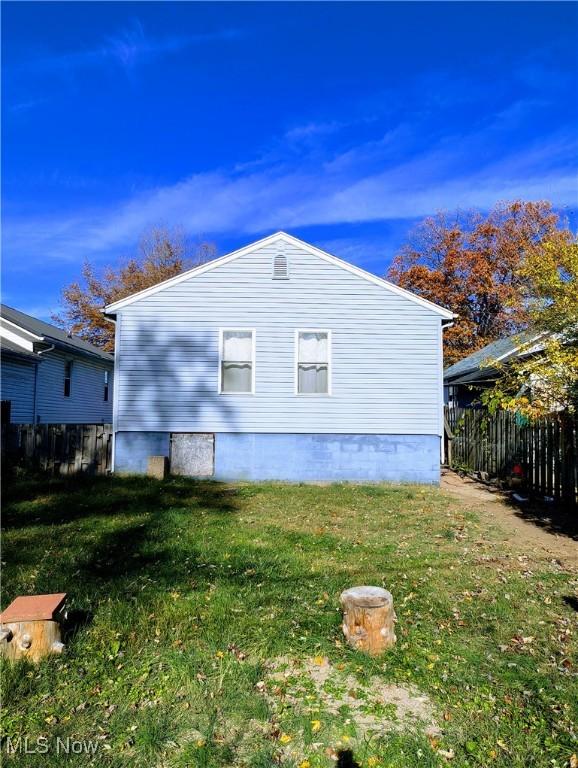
280	362
51	377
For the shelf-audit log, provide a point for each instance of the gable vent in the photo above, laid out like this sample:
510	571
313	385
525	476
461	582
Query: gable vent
280	268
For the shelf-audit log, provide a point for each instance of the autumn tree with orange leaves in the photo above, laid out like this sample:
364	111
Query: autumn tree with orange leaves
162	254
471	264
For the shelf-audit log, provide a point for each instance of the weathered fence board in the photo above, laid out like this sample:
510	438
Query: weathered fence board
60	449
547	449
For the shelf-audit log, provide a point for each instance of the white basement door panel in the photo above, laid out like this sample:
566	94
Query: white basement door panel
192	454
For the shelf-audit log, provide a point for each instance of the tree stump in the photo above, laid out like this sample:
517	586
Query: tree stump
368	619
30	627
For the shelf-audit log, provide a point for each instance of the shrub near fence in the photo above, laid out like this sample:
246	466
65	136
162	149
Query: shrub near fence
547	448
64	449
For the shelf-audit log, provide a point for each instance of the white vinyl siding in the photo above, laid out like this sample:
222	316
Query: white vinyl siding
18	387
85	404
384	347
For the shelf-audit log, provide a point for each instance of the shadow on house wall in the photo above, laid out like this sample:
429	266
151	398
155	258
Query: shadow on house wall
168	380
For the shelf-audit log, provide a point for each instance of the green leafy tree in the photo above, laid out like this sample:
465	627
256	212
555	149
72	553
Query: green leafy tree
543	378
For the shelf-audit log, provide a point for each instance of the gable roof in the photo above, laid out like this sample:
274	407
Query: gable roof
271	239
50	333
498	350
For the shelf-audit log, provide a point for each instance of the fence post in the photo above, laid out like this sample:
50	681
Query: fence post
569	458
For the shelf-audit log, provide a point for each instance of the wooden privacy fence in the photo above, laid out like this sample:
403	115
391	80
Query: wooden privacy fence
64	449
547	449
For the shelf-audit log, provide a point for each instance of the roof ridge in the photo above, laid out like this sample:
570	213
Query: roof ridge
471	361
280	235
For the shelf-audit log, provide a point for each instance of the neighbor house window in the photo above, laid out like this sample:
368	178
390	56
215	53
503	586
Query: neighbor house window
313	375
106	386
237	361
67	377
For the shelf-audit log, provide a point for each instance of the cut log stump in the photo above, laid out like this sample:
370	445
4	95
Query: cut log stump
30	627
368	619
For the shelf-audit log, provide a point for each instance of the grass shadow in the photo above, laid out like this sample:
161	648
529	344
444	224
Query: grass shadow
49	501
111	530
556	518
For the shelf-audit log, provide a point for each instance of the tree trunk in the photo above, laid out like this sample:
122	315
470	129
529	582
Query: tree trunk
30	627
31	640
368	619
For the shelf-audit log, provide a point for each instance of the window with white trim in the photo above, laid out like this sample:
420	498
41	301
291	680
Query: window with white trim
237	361
313	362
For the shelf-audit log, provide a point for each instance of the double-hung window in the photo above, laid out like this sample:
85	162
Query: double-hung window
237	361
105	394
313	362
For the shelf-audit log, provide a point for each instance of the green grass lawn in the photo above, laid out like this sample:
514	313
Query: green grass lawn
210	604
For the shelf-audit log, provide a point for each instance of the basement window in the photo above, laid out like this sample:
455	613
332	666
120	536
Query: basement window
280	267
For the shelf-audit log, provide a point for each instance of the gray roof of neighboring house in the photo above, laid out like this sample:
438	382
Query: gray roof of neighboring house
52	334
11	348
499	349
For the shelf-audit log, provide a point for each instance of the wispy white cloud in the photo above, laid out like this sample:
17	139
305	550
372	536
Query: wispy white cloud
286	197
126	49
28	104
313	174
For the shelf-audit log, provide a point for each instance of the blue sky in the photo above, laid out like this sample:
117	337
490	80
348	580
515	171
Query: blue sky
342	123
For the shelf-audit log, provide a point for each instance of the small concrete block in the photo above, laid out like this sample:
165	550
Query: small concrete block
34	608
158	467
30	627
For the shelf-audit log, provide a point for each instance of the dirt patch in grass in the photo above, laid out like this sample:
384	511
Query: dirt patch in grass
324	691
493	508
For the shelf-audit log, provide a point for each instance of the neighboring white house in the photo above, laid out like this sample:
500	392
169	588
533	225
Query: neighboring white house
280	361
51	377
